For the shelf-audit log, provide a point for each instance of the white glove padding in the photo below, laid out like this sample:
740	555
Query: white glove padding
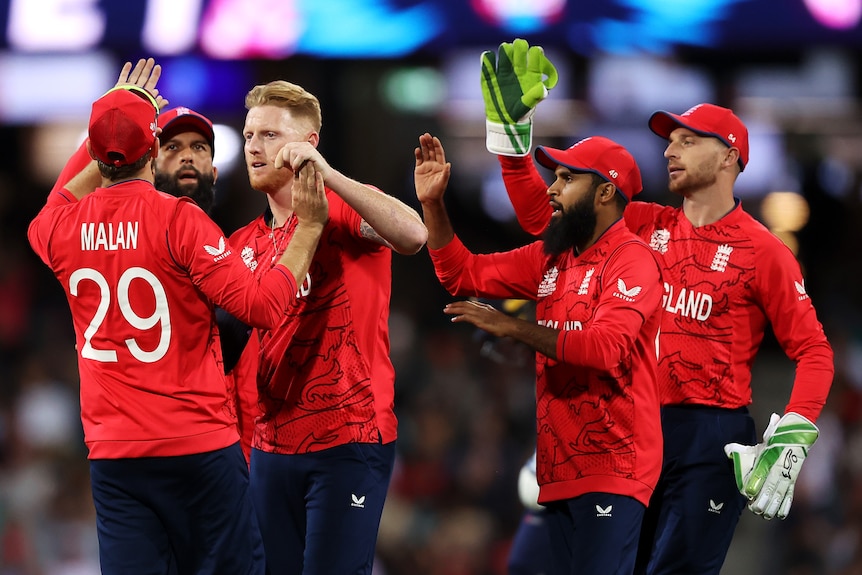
528	485
766	473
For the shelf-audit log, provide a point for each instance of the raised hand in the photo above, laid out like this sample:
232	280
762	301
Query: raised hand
296	155
431	174
514	80
145	74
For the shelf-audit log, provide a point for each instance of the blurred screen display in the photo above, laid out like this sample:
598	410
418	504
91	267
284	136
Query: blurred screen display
276	29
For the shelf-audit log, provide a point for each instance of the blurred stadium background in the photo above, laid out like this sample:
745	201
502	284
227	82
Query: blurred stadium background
386	71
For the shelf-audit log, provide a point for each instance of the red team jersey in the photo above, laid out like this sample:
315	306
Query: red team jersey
723	283
324	376
598	427
140	269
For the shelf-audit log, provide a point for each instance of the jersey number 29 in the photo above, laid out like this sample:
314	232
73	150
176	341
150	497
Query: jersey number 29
160	315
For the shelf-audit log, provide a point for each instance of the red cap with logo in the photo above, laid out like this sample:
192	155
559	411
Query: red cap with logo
706	120
122	127
600	156
182	119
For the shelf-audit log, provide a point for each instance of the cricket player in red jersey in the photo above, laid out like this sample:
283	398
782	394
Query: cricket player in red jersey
141	270
726	276
598	291
184	167
324	440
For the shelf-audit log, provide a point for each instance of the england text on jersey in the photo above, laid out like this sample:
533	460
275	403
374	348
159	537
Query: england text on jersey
688	303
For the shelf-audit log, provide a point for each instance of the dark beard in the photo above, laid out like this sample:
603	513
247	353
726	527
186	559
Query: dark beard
574	227
202	192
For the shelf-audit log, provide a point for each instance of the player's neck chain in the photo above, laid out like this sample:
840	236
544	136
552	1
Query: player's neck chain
280	235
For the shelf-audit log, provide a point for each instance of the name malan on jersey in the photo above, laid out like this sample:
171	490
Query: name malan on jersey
109	236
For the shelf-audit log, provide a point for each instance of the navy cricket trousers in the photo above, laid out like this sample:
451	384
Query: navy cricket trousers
182	515
319	512
696	506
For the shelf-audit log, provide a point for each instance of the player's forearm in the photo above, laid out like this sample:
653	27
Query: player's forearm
539	337
85	182
528	193
80	175
815	369
391	219
440	231
300	251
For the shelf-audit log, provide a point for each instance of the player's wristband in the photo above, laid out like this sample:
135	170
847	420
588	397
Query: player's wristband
144	94
509	139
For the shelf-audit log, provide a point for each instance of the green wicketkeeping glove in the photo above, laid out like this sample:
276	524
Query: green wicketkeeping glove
514	81
766	473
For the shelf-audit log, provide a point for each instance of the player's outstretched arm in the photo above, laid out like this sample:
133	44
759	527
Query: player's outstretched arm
390	221
541	338
430	177
81	175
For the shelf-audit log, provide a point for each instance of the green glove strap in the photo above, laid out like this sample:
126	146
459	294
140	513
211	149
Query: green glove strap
743	460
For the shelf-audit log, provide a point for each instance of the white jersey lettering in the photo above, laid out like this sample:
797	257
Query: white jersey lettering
688	303
103	236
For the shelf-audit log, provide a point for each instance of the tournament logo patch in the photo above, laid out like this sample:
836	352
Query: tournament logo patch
247	256
549	282
658	241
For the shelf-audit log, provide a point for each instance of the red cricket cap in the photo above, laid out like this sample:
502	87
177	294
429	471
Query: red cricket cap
600	156
122	127
182	119
706	120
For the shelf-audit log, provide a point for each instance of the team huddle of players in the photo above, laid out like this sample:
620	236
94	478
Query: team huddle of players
237	394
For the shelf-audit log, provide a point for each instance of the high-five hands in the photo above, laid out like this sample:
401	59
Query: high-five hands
431	174
142	79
